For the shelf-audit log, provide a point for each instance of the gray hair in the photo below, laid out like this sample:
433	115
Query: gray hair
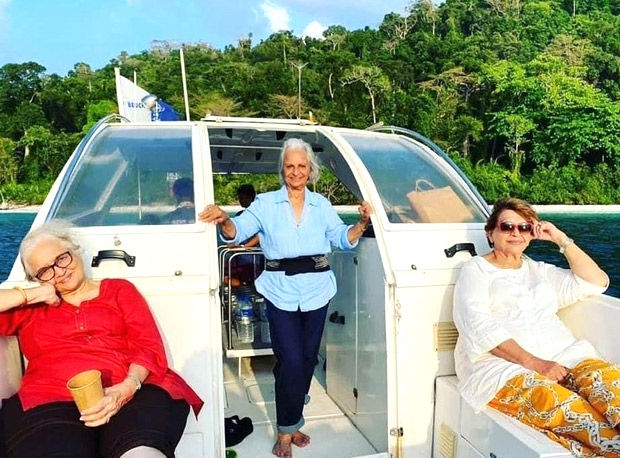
58	230
297	143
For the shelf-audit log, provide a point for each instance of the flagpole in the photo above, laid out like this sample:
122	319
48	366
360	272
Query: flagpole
119	92
135	96
184	84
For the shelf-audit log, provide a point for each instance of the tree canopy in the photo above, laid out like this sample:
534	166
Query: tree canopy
516	91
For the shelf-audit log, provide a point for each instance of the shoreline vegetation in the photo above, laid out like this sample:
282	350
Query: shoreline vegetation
523	95
9	208
18	208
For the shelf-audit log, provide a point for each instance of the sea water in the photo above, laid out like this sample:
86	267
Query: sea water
594	232
13	227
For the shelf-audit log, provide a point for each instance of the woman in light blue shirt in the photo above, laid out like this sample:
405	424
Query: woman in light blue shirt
296	228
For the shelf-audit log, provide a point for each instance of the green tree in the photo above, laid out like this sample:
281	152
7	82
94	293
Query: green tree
8	164
48	152
373	80
514	128
97	111
580	123
19	83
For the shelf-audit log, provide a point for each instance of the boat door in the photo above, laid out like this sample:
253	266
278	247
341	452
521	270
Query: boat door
354	348
429	221
116	190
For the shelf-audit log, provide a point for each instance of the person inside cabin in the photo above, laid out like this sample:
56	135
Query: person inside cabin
296	228
245	195
69	324
185	212
244	266
514	354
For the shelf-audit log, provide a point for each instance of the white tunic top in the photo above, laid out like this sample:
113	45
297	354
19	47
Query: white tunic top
492	305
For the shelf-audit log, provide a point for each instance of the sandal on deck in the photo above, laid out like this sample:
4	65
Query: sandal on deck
237	430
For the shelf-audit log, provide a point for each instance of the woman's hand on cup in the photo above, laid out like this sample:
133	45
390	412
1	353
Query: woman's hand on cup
213	214
115	397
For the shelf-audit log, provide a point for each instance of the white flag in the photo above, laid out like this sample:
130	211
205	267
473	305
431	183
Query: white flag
130	97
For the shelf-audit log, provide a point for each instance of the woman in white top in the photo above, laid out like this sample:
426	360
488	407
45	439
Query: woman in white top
514	353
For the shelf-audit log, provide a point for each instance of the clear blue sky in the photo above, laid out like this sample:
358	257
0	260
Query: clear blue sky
60	33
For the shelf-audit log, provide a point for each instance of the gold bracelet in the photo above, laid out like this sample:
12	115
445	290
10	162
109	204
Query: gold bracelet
24	295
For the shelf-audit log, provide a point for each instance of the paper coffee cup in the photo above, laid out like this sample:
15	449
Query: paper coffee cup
86	389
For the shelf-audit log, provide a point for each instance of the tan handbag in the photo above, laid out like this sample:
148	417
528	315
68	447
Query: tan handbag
438	205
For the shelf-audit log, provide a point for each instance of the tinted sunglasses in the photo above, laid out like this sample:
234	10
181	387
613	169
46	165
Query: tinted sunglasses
508	226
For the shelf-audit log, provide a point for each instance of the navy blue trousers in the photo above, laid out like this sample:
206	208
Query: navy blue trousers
295	338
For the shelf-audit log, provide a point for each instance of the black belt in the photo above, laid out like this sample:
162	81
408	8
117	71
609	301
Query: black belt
299	265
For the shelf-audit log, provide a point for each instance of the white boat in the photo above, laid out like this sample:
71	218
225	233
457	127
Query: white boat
386	385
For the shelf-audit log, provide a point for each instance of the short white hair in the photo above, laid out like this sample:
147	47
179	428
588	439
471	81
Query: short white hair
313	161
59	230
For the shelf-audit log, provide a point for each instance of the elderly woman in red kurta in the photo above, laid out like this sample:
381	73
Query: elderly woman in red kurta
70	324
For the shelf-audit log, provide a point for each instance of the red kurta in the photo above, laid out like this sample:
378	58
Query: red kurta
107	333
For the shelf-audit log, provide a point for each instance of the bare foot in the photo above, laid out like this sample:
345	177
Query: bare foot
300	439
282	447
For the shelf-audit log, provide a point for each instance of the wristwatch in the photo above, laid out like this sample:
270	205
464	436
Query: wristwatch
135	379
565	244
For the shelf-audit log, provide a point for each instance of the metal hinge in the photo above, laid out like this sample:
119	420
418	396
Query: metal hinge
396	432
397	308
355	393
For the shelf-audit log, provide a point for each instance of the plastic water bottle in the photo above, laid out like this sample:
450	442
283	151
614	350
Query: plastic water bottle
244	318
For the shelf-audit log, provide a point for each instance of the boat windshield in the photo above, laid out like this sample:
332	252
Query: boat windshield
131	175
415	185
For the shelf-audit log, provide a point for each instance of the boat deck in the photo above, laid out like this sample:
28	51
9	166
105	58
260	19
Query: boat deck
252	395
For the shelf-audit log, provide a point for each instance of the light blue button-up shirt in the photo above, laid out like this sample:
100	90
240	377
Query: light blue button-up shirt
271	216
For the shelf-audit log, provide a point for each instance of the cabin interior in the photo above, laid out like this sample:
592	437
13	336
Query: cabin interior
342	424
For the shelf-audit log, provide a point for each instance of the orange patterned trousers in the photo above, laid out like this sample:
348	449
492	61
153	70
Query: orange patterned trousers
582	413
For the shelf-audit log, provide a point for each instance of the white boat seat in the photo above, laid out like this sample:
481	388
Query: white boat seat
489	432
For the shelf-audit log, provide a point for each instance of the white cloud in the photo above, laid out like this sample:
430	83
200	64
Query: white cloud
277	16
314	30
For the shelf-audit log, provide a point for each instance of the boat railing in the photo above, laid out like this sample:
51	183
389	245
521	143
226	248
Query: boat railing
237	119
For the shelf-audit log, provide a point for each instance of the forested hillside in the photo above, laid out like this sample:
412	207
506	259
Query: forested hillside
523	94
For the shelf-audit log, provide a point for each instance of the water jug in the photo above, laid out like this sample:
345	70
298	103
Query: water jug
244	319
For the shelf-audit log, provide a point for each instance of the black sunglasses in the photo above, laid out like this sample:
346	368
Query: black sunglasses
508	226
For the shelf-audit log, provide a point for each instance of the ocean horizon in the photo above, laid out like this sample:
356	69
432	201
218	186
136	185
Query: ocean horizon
592	230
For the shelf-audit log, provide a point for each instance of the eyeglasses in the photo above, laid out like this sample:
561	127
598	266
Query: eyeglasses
62	261
508	226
